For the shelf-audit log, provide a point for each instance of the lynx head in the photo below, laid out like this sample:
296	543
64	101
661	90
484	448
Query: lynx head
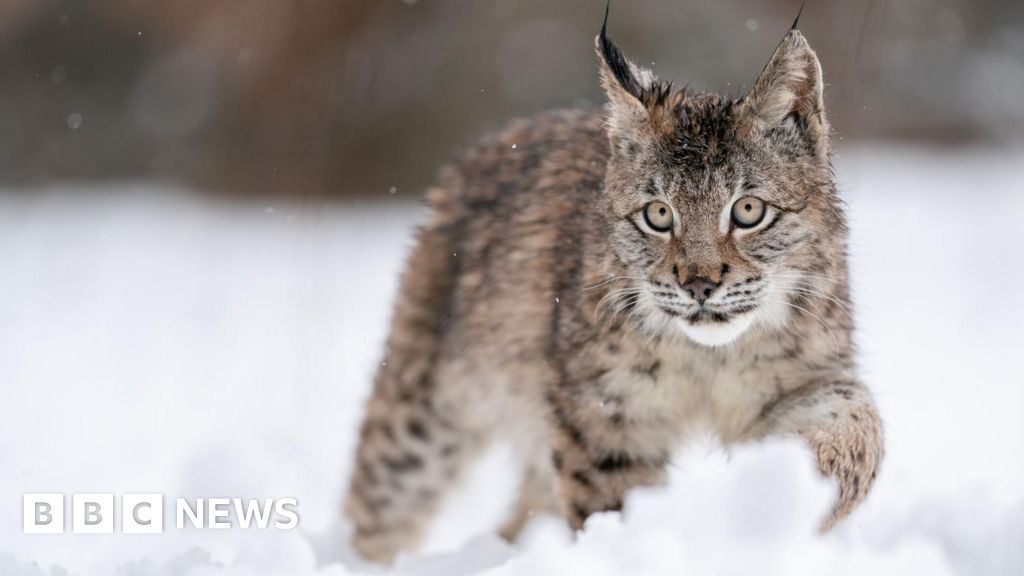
722	210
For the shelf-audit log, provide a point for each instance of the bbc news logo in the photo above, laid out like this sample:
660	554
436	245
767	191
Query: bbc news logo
144	513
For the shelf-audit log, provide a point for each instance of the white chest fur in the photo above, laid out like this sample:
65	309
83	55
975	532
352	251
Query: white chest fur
695	390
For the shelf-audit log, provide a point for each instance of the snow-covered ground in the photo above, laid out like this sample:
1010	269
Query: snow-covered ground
152	340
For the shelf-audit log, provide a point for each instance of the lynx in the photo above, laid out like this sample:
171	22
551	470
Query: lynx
597	287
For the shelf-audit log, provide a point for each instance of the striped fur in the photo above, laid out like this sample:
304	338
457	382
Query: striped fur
539	307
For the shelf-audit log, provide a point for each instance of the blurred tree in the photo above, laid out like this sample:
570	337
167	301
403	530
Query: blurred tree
335	97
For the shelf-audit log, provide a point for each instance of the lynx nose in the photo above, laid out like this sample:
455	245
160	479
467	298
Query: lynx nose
700	288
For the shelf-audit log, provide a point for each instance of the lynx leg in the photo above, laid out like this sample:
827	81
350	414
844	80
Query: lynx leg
412	445
536	496
408	458
840	423
590	483
595	466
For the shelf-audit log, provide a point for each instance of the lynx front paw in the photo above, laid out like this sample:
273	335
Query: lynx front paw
850	454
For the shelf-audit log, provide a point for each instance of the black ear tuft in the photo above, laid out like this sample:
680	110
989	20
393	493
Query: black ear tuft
604	25
796	21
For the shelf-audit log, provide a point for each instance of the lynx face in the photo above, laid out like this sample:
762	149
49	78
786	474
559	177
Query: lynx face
716	206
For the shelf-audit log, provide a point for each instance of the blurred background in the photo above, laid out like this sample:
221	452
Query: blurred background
333	98
205	206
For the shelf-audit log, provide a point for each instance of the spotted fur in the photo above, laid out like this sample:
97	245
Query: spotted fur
539	307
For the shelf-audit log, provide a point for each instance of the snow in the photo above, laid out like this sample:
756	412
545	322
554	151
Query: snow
158	341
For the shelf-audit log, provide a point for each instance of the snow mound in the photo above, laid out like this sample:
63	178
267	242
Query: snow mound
157	341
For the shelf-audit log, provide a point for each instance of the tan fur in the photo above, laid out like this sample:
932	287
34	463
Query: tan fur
540	308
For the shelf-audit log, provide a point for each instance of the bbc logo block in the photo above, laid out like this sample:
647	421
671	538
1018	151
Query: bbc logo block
142	513
93	513
43	514
101	513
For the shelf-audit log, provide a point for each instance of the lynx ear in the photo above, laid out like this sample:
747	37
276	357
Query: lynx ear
632	91
790	84
624	82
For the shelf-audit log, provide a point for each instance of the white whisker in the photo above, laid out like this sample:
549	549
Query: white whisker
835	341
610	280
613	295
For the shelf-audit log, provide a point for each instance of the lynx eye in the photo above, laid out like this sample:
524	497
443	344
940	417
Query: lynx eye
748	212
658	216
